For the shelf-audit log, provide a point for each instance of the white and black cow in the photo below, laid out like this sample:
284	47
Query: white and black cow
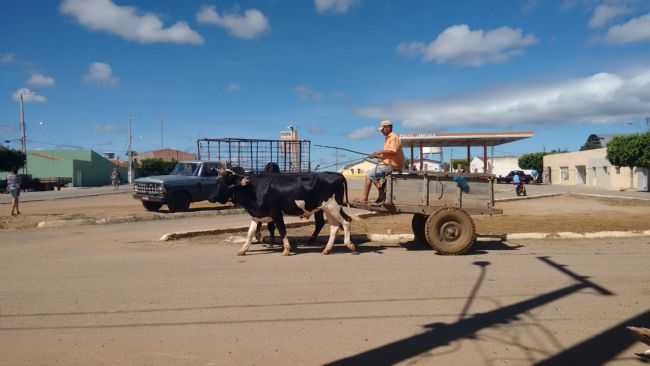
267	198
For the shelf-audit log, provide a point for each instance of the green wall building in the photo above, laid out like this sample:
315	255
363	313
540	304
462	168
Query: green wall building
86	168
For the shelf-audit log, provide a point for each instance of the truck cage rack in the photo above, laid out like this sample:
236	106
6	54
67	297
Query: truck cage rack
291	156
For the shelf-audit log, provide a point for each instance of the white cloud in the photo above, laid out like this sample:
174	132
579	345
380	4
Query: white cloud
306	93
635	30
41	80
606	12
128	22
249	25
29	96
101	73
7	58
363	133
334	6
599	98
459	44
233	87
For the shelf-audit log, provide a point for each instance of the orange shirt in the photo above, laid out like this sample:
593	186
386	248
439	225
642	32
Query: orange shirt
393	143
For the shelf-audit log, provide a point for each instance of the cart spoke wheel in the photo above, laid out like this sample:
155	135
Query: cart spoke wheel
450	231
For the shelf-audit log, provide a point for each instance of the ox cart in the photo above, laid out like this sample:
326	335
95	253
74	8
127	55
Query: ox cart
442	203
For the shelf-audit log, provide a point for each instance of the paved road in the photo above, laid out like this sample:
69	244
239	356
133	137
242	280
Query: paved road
114	295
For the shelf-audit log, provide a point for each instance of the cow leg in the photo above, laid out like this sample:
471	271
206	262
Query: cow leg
336	215
330	242
251	231
271	227
258	233
279	223
319	222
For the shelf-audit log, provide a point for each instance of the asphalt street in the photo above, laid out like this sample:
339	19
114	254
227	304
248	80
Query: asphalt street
115	295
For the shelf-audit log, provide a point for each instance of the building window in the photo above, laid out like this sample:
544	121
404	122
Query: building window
606	170
564	173
618	170
351	171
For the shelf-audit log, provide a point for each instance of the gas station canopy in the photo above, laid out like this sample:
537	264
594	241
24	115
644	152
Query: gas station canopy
463	138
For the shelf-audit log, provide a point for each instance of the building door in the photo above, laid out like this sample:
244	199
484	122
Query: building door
78	179
642	176
581	174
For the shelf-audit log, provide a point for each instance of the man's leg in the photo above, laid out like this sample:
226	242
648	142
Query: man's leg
366	189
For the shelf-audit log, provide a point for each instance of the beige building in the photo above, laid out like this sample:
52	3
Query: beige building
358	169
591	167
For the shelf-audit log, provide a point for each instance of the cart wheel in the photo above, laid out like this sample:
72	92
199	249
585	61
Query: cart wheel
417	225
450	231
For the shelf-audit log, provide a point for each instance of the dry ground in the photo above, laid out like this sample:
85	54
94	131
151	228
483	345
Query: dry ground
553	214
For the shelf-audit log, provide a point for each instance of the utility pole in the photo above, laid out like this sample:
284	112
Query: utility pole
23	133
130	151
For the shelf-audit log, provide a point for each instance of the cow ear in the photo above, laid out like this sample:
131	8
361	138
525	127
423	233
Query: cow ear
244	181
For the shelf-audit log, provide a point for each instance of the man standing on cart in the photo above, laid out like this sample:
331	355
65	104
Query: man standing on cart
392	160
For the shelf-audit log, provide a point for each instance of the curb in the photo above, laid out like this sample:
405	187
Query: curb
194	233
404	238
125	219
610	196
529	197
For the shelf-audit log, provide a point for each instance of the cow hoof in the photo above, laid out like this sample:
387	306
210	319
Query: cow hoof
241	253
326	252
286	253
352	247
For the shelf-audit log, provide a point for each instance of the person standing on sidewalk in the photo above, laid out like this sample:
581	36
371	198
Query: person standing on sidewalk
13	187
115	179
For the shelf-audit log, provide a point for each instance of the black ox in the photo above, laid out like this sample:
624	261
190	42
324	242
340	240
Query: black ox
267	198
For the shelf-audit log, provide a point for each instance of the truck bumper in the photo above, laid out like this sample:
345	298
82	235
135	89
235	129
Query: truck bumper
149	198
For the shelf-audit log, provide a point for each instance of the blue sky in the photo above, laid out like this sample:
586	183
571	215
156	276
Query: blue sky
333	68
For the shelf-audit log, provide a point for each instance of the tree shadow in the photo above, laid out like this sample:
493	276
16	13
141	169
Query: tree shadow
441	334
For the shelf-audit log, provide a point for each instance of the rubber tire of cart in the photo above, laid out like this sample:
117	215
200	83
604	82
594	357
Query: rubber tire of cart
178	202
417	226
151	206
450	231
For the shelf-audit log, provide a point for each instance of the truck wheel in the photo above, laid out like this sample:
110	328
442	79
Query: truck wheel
178	202
151	206
450	231
417	225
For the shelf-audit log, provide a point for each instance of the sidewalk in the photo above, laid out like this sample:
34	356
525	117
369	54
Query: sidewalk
65	193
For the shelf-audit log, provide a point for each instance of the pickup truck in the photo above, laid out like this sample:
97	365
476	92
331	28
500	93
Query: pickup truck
190	181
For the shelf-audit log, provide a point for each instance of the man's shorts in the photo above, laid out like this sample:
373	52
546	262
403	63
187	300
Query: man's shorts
14	192
379	172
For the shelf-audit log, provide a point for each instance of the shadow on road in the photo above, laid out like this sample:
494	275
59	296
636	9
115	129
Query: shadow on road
441	334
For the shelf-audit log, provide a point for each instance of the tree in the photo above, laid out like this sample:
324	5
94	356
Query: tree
155	166
532	161
593	142
630	151
10	159
460	163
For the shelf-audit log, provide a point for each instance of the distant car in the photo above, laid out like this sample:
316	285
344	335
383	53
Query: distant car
523	177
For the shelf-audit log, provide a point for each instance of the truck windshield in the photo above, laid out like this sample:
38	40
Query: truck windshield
185	169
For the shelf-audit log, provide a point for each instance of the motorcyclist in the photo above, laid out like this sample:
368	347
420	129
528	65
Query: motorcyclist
519	185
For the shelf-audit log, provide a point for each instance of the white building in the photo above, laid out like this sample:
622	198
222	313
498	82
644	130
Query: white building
428	165
591	167
497	165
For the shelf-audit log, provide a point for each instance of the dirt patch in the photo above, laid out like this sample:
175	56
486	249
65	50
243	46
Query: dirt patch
553	214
